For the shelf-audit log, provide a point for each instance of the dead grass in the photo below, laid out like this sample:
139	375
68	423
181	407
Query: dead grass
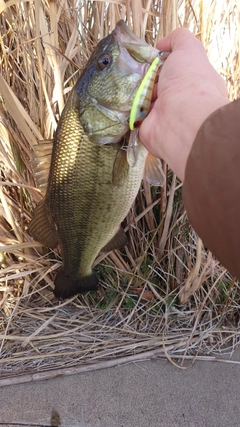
137	312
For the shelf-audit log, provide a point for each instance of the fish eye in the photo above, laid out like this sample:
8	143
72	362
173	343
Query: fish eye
104	60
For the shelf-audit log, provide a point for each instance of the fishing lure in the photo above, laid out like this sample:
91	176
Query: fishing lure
141	105
142	101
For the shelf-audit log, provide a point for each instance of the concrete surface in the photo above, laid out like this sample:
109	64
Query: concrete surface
143	394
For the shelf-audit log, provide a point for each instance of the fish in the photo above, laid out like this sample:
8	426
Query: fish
91	187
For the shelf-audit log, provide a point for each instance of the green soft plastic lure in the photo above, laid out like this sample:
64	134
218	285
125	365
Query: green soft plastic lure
141	105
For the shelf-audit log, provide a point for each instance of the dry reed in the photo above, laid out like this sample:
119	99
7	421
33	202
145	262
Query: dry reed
137	312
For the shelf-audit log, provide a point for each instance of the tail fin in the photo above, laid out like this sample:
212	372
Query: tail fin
67	286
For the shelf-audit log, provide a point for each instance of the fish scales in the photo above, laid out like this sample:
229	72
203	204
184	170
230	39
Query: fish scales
91	165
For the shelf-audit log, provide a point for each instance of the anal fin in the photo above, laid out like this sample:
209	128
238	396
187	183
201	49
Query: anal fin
118	241
41	229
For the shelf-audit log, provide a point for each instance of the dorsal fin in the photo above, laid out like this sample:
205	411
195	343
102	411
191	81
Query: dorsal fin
41	160
153	172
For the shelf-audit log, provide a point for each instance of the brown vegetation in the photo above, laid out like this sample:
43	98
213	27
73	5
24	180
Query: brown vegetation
165	295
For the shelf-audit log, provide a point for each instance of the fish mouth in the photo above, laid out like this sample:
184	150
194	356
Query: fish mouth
131	64
135	57
140	50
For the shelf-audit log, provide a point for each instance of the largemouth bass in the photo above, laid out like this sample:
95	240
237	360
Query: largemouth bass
91	186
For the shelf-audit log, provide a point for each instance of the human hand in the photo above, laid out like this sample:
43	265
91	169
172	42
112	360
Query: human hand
188	91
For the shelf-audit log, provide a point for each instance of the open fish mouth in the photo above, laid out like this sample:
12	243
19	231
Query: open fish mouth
140	50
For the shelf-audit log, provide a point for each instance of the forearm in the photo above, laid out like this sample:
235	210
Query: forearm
212	186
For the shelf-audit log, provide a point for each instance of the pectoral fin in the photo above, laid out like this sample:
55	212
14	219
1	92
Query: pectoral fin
117	242
153	172
41	229
120	168
132	149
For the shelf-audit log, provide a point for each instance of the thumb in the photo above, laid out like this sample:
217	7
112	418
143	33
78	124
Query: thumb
148	131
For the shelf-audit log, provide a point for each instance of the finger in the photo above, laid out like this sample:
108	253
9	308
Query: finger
178	39
146	131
